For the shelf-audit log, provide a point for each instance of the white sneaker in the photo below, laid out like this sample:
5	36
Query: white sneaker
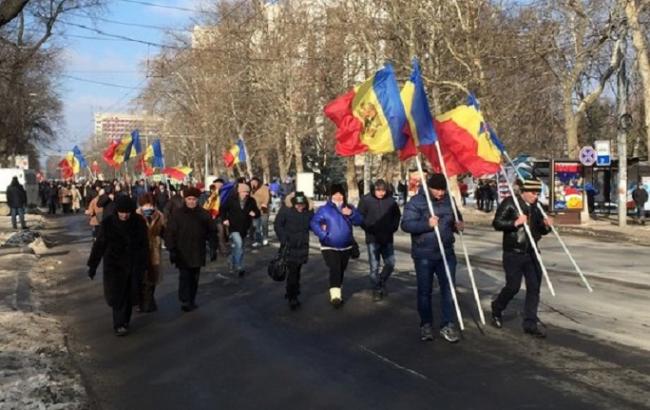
256	245
265	242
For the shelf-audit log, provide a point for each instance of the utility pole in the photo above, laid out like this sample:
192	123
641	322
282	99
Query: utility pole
623	125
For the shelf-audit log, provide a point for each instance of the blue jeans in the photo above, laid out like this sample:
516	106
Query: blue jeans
21	213
237	254
385	252
261	225
424	270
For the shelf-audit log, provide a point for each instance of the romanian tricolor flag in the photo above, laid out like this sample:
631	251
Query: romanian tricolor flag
154	155
235	155
371	117
79	156
213	204
177	173
420	131
463	132
128	147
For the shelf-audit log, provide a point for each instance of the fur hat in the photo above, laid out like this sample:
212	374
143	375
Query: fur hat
299	198
337	188
191	191
437	181
124	204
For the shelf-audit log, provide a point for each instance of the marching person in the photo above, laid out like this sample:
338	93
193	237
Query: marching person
427	258
95	212
190	227
17	201
262	196
292	229
122	244
75	195
238	214
381	217
332	224
518	254
155	221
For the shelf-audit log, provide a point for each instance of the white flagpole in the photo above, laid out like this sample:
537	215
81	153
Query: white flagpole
529	233
557	234
452	286
470	270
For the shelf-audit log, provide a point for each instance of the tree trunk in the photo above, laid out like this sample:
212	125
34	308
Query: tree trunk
297	151
351	179
570	128
266	168
638	40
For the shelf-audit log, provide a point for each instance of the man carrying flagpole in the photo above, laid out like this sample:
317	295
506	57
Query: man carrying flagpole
519	258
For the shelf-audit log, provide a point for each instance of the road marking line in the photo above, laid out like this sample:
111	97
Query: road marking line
392	363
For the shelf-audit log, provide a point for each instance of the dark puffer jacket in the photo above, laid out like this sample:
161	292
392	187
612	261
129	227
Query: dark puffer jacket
424	243
292	230
515	239
380	218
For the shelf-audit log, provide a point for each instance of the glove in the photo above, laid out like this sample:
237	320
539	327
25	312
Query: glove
91	273
172	257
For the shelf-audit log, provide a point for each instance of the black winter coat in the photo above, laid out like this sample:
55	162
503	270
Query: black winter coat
515	239
238	217
16	196
187	234
380	218
292	230
124	247
639	195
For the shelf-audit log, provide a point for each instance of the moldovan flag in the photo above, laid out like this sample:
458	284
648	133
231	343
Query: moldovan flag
80	157
235	155
69	165
463	133
109	154
177	173
213	204
369	118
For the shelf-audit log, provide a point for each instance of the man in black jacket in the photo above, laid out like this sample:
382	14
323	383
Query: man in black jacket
518	253
190	227
640	197
17	201
381	216
238	214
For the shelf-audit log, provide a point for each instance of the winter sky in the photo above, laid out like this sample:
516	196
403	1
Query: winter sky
91	57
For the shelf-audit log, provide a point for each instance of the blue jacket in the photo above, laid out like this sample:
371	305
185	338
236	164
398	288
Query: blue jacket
338	232
424	243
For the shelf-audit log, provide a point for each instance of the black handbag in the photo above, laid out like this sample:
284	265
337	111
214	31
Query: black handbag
278	267
355	253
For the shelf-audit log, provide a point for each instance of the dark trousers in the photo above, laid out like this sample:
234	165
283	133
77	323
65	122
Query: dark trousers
147	300
293	280
122	306
517	265
425	270
52	208
337	262
222	238
188	284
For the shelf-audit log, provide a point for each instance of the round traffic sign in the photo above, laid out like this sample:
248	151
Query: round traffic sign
587	156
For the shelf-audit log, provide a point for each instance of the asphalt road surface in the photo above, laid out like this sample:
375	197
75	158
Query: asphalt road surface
244	349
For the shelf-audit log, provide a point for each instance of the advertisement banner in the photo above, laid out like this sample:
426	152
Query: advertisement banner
568	186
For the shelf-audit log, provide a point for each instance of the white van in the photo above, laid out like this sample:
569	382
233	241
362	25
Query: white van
26	177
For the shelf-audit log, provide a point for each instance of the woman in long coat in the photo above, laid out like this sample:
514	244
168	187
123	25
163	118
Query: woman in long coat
123	245
155	221
292	229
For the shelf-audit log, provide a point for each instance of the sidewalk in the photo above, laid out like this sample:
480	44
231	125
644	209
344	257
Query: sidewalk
35	367
606	229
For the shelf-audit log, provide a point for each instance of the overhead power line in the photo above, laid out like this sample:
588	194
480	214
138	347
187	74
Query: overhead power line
121	37
162	6
126	23
99	82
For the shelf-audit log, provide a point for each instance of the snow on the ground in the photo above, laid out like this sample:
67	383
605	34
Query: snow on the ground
36	371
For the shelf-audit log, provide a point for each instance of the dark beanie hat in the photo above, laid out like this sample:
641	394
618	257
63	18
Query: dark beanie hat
124	204
437	181
334	188
191	191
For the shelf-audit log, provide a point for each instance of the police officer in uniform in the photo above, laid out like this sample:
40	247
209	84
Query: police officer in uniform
519	258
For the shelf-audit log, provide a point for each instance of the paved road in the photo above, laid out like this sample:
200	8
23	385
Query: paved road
244	349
